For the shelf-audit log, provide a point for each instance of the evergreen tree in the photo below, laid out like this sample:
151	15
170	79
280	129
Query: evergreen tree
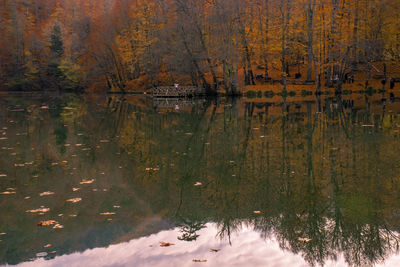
55	75
56	46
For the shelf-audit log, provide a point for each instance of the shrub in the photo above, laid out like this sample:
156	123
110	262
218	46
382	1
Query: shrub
251	94
305	93
269	94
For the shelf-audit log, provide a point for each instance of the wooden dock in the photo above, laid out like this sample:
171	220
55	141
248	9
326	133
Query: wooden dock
178	92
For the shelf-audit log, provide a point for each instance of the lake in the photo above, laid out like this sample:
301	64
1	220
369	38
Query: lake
102	180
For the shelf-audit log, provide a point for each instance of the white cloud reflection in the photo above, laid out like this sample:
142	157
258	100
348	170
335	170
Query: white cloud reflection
247	249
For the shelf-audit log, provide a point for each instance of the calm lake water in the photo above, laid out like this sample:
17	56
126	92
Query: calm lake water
130	181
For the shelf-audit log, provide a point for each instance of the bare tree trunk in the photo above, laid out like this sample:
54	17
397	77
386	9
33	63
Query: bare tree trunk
284	17
355	33
266	74
310	33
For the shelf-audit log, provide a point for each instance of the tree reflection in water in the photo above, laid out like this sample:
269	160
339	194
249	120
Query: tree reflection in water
322	174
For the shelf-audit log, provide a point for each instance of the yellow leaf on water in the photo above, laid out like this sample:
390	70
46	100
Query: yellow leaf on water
166	244
41	210
47	246
47	223
257	212
48	193
75	189
198	184
19	165
107	213
85	181
7	193
58	226
199	261
74	200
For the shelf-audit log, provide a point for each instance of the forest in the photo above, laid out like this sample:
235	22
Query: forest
220	45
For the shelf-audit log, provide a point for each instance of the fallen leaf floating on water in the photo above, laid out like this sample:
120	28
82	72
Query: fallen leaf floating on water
19	165
74	200
85	181
305	240
3	138
2	233
104	141
199	261
117	207
367	125
47	246
8	193
27	197
58	226
215	250
166	244
48	193
3	175
257	212
152	169
41	210
53	252
68	108
107	213
41	254
75	189
54	163
47	223
44	107
73	215
198	184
